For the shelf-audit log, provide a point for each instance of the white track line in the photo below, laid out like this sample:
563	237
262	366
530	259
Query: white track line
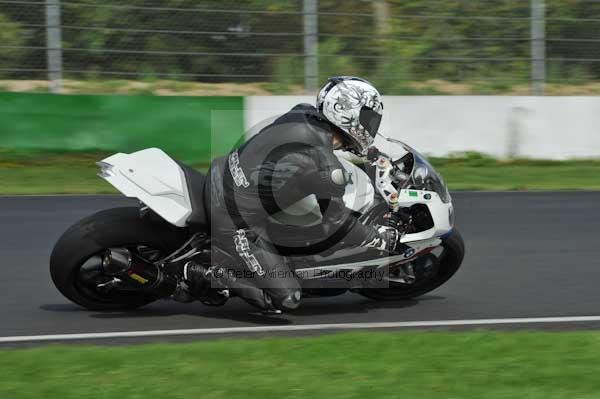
302	327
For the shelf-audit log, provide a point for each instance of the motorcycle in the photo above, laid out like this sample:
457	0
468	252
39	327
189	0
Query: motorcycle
127	257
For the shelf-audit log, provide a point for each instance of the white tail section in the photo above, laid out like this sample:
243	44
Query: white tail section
154	178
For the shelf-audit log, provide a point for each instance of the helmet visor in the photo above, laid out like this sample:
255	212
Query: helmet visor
370	120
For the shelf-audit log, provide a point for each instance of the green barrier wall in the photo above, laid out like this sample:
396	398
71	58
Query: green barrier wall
192	129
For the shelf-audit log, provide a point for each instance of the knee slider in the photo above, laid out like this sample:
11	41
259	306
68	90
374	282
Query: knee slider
291	301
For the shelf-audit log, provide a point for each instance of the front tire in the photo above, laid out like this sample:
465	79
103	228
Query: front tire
449	262
90	237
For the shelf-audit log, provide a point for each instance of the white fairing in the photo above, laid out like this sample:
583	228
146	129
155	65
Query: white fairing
154	178
440	213
305	212
359	195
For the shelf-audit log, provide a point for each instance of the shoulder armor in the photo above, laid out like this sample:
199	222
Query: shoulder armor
338	177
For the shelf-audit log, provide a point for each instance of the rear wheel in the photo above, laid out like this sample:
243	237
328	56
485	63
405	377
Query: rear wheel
75	263
426	272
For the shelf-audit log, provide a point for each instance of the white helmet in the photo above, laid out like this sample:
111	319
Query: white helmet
354	106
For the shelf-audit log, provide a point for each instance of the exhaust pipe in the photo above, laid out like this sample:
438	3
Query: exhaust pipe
120	262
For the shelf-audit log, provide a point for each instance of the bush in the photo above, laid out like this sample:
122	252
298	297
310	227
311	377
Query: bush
11	35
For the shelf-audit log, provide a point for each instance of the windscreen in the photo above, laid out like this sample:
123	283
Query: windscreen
423	176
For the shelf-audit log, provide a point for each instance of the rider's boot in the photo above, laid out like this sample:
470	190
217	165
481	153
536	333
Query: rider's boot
203	284
217	283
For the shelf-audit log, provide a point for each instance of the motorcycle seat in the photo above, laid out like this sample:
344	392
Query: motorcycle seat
195	181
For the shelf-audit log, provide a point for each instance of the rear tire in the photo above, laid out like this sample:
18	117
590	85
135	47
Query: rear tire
117	227
449	263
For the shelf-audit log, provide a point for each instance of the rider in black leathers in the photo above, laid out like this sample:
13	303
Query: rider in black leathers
286	161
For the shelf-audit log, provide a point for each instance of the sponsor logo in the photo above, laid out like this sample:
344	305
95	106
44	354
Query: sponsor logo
239	178
242	247
137	278
409	252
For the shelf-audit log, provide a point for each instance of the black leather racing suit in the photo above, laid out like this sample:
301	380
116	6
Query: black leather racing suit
286	161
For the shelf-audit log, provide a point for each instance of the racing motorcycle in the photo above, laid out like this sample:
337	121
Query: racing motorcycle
127	257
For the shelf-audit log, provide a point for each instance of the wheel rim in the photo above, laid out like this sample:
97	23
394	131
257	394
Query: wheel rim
424	275
423	270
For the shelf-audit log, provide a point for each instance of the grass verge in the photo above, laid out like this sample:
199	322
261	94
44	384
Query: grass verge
350	365
41	172
474	171
27	172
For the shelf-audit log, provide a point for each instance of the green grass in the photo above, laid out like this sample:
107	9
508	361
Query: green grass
35	172
27	172
523	177
422	365
53	172
474	171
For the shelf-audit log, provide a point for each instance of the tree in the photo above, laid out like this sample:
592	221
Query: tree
11	38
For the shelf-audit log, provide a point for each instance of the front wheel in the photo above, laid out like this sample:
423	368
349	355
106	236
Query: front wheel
76	261
431	272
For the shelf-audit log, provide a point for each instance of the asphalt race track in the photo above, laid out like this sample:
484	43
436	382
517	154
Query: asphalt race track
529	255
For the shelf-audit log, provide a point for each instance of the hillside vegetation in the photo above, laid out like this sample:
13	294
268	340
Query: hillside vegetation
485	45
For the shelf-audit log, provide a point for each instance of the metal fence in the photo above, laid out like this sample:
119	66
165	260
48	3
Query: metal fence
396	44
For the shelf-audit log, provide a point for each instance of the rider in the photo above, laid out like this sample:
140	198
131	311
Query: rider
286	161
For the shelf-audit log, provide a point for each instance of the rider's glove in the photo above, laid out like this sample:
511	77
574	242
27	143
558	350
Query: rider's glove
391	238
372	153
388	239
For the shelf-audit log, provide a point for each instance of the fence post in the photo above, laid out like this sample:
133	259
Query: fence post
54	45
311	45
382	16
538	46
